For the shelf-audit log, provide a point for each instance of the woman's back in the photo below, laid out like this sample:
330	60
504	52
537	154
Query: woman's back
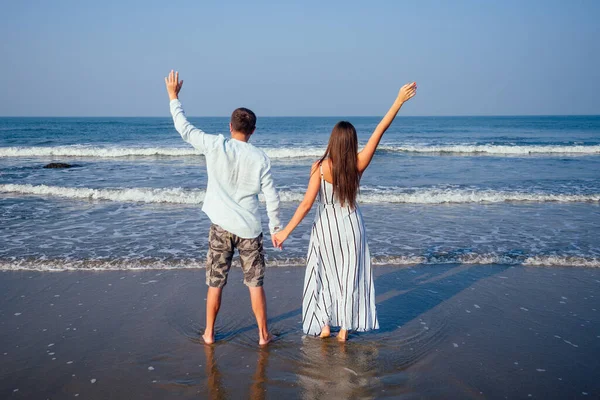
327	192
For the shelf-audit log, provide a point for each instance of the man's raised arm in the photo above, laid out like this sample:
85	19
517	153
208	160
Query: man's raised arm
194	136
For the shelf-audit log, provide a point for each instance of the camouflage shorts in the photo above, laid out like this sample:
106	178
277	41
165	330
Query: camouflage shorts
221	245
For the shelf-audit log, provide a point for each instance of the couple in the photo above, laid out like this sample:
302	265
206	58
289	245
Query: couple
338	285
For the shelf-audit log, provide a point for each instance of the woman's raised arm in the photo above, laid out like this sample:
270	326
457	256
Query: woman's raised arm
366	154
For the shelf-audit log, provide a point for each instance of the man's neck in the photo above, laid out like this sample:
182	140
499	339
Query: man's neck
240	136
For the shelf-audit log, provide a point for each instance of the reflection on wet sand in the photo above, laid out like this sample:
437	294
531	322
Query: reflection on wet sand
214	378
258	389
341	370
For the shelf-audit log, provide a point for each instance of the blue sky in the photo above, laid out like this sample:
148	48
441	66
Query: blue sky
109	58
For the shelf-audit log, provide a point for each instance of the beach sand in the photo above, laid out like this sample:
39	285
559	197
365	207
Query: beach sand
447	331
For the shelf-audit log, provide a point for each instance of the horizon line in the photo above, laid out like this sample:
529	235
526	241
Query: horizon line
307	116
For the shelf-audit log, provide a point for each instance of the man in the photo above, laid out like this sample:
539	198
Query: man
237	173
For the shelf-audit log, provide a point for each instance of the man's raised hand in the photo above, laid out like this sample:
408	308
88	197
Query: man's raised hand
173	85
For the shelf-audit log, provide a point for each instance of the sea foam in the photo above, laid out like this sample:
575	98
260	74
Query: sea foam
292	152
115	152
495	149
399	195
128	264
142	195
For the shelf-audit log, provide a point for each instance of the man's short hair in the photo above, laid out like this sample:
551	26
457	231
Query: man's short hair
243	120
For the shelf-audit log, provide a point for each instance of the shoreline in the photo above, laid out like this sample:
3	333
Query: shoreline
158	264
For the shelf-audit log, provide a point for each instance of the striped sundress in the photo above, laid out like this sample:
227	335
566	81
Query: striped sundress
338	285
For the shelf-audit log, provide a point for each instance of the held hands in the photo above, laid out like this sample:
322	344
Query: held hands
407	92
173	85
278	238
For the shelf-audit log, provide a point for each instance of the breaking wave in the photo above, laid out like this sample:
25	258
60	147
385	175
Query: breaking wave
496	149
132	264
292	152
400	195
115	152
140	195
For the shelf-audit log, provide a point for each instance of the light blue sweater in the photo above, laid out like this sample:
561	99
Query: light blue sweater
237	173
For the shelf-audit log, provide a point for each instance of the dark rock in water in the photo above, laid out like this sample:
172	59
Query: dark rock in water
58	165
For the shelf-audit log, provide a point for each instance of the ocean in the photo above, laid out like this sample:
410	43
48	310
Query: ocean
440	190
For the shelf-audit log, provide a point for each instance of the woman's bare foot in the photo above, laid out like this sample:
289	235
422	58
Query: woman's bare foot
209	337
343	335
325	332
266	341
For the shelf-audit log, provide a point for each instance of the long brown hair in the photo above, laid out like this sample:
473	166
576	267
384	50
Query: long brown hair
342	150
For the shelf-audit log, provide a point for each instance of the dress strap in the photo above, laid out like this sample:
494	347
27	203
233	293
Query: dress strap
322	194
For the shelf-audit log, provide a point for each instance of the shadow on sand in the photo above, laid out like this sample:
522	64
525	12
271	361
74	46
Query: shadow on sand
403	294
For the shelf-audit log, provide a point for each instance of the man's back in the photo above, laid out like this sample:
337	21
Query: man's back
237	173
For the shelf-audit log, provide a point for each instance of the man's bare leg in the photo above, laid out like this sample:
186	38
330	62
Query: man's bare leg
213	303
259	306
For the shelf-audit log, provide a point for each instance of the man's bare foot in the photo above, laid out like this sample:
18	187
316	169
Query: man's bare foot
266	341
325	332
343	335
208	339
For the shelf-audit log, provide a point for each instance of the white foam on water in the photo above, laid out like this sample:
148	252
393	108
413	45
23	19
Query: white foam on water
96	151
196	196
143	195
574	261
433	259
120	264
116	152
495	149
294	152
486	259
87	151
458	196
115	264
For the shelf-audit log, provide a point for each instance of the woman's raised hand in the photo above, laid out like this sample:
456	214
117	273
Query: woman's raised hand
407	92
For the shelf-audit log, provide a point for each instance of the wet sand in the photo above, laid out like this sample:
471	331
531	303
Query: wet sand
447	331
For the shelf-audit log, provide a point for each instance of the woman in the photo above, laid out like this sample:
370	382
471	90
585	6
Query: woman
338	285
